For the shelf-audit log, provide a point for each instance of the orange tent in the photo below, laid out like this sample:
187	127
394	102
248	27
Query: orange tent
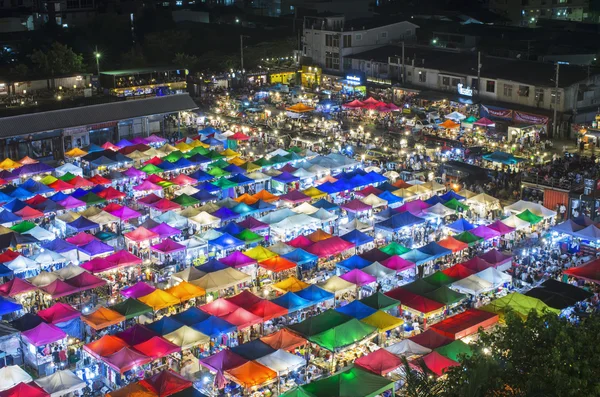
265	196
453	244
400	184
284	339
449	124
246	199
159	299
300	108
277	264
102	318
318	235
185	291
132	390
251	374
326	178
105	346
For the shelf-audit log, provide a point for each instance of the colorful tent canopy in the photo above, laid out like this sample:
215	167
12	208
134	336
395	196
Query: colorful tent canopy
436	363
379	362
466	323
166	383
519	304
383	321
350	383
320	323
102	318
159	299
131	308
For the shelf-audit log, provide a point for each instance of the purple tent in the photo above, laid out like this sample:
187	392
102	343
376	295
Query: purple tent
32	169
359	277
95	248
356	206
164	230
485	232
125	213
221	362
60	246
414	207
225	214
168	246
71	202
124	143
496	257
295	197
137	290
138	140
501	228
134	173
286	177
237	259
82	223
253	224
43	334
155	139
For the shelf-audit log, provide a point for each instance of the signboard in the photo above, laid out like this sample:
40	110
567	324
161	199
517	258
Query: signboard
464	90
356	78
530	118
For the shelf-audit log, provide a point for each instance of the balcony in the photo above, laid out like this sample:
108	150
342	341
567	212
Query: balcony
554	183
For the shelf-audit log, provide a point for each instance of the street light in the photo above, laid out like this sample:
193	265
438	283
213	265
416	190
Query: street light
97	55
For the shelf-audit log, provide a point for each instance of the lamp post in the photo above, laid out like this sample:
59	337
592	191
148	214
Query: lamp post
97	55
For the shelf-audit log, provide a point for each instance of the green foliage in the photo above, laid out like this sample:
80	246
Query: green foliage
420	382
162	47
57	60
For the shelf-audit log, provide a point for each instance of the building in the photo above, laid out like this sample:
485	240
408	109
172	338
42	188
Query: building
48	134
144	82
328	41
506	86
529	12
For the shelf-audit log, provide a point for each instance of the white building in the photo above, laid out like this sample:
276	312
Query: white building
329	41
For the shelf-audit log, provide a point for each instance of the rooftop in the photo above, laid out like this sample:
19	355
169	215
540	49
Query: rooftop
129	72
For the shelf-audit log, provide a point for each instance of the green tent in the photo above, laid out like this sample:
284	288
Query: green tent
351	383
105	236
131	308
295	149
249	166
446	296
262	162
185	201
296	392
66	177
23	227
213	155
292	157
530	217
92	198
197	150
394	248
224	183
249	237
419	287
173	156
467	238
454	349
380	301
164	184
470	119
456	205
151	169
439	279
320	323
518	303
219	163
343	335
278	159
217	172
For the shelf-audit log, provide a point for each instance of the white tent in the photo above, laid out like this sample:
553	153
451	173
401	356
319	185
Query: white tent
337	285
68	167
323	215
104	218
281	248
227	202
514	221
221	279
69	271
210	234
373	168
456	116
434	186
41	234
537	209
279	151
189	190
47	257
295	222
483	199
494	276
186	337
282	361
376	269
22	264
392	175
374	201
472	285
277	216
408	348
194	243
305	208
467	193
318	169
173	219
204	219
11	376
61	383
43	279
258	176
188	274
439	210
355	224
189	212
303	174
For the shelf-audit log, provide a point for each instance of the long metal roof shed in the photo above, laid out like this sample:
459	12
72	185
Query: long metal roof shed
94	114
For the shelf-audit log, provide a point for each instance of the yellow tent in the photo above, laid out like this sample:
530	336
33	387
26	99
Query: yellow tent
260	253
184	147
76	152
159	299
229	153
314	193
8	164
250	166
198	143
383	321
236	161
449	124
300	108
48	179
290	284
167	149
186	291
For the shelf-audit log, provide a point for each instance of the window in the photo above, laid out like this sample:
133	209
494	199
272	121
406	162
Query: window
72	4
332	40
347	41
383	35
508	90
555	97
446	81
524	91
292	8
422	77
455	82
490	86
539	95
475	84
347	63
358	37
332	60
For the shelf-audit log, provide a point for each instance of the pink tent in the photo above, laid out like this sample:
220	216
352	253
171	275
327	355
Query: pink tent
485	232
300	242
125	213
141	234
371	101
359	277
59	288
495	257
137	290
380	362
96	265
501	227
58	313
392	107
397	263
484	122
123	258
242	318
84	281
164	230
80	239
355	104
125	359
329	247
168	246
253	224
134	173
295	197
155	139
237	259
43	334
165	205
356	206
219	307
413	207
15	287
147	186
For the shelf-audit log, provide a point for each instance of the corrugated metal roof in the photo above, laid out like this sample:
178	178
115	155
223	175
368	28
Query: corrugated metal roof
95	114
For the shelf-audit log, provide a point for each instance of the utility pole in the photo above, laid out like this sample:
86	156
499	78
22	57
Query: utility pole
403	66
478	72
554	126
242	51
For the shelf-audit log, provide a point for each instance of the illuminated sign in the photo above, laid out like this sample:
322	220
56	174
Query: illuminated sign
466	91
354	79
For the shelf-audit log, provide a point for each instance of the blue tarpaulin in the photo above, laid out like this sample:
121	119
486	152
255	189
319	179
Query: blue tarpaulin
7	307
72	328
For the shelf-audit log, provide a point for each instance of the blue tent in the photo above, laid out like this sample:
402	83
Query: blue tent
226	241
7	307
59	245
301	257
60	196
329	188
48	206
253	350
14	205
203	196
96	247
201	176
315	294
231	228
263	206
244	209
450	194
241	179
225	214
359	181
433	200
326	205
356	309
191	316
5	271
93	148
234	169
97	189
354	262
82	223
397	222
434	250
22	194
183	163
357	237
167	166
208	130
4	198
164	326
36	187
292	302
417	257
285	177
214	326
388	187
123	143
374	177
199	159
390	198
209	187
460	225
213	142
341	185
212	266
8	217
79	193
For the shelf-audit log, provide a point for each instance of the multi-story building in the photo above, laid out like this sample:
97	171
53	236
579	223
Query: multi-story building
328	41
528	12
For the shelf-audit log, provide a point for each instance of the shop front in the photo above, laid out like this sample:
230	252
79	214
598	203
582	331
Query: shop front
522	126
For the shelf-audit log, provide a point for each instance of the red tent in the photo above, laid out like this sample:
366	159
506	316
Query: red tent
379	362
476	264
100	180
125	359
183	179
458	271
164	205
149	199
277	264
15	287
59	185
436	363
155	179
329	247
453	244
355	104
84	281
80	239
242	318
111	207
8	256
105	346
24	390
590	271
80	182
430	339
166	383
415	302
244	299
141	234
369	190
219	307
465	323
37	199
154	161
58	313
300	242
239	136
400	184
156	347
110	193
29	213
110	146
267	310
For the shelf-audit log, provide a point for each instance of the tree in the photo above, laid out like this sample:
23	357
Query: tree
58	60
190	62
541	356
420	382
